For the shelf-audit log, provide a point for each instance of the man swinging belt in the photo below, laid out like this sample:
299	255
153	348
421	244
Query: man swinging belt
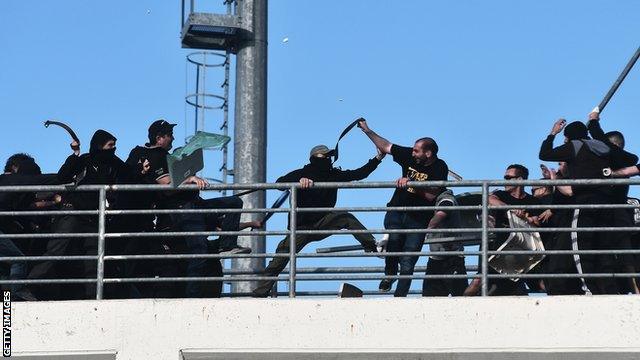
320	169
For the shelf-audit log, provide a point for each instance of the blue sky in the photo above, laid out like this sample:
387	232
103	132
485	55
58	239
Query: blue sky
486	79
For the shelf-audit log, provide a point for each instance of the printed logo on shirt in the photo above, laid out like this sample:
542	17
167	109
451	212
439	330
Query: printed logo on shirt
160	171
415	175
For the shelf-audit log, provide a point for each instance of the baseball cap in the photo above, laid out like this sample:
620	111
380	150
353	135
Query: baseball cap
160	127
320	149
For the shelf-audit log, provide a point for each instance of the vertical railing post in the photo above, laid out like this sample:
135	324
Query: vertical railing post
102	205
292	241
485	239
182	16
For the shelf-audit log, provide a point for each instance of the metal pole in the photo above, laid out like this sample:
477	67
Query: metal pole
197	107
204	90
293	214
102	206
182	16
225	117
619	80
250	126
485	239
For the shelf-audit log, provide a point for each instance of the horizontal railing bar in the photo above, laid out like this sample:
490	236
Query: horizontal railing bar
344	185
48	235
194	211
563	206
49	212
314	232
321	255
317	278
333	270
184	279
314	209
195	233
49	258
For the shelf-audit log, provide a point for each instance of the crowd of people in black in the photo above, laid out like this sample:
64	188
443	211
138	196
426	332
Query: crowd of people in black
587	153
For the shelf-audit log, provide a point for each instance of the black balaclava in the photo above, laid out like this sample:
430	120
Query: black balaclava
98	140
576	131
323	164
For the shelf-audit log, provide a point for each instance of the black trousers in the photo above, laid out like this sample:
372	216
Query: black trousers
595	240
50	269
331	221
450	265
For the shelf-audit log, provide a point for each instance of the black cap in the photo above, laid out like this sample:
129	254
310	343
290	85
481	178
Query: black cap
159	127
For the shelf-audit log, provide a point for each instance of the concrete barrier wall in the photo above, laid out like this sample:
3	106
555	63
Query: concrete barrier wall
419	328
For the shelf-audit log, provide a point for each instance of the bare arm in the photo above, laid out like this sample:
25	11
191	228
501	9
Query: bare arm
429	193
202	183
563	189
626	172
381	143
437	219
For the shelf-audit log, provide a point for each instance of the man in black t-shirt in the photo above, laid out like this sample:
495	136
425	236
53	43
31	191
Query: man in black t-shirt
155	153
511	195
419	163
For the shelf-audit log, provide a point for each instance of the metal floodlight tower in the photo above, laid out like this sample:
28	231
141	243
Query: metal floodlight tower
244	34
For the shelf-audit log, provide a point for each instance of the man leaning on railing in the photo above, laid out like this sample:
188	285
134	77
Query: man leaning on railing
419	163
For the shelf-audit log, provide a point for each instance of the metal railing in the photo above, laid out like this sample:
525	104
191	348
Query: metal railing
295	274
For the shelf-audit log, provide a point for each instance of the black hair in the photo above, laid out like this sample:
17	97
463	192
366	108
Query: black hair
428	144
24	163
616	138
521	170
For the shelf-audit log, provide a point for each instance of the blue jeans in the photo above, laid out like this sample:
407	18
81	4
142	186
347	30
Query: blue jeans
18	268
403	242
197	245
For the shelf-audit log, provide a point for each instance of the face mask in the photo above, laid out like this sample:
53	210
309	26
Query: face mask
321	163
102	155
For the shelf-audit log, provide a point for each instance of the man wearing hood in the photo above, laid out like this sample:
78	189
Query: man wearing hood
99	166
319	169
586	159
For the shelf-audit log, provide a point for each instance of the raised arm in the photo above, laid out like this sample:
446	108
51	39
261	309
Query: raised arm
361	172
561	153
381	143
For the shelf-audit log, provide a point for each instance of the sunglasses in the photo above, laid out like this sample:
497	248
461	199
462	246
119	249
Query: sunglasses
509	177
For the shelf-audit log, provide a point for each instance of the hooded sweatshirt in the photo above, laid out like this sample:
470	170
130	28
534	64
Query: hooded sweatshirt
321	170
586	158
94	168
